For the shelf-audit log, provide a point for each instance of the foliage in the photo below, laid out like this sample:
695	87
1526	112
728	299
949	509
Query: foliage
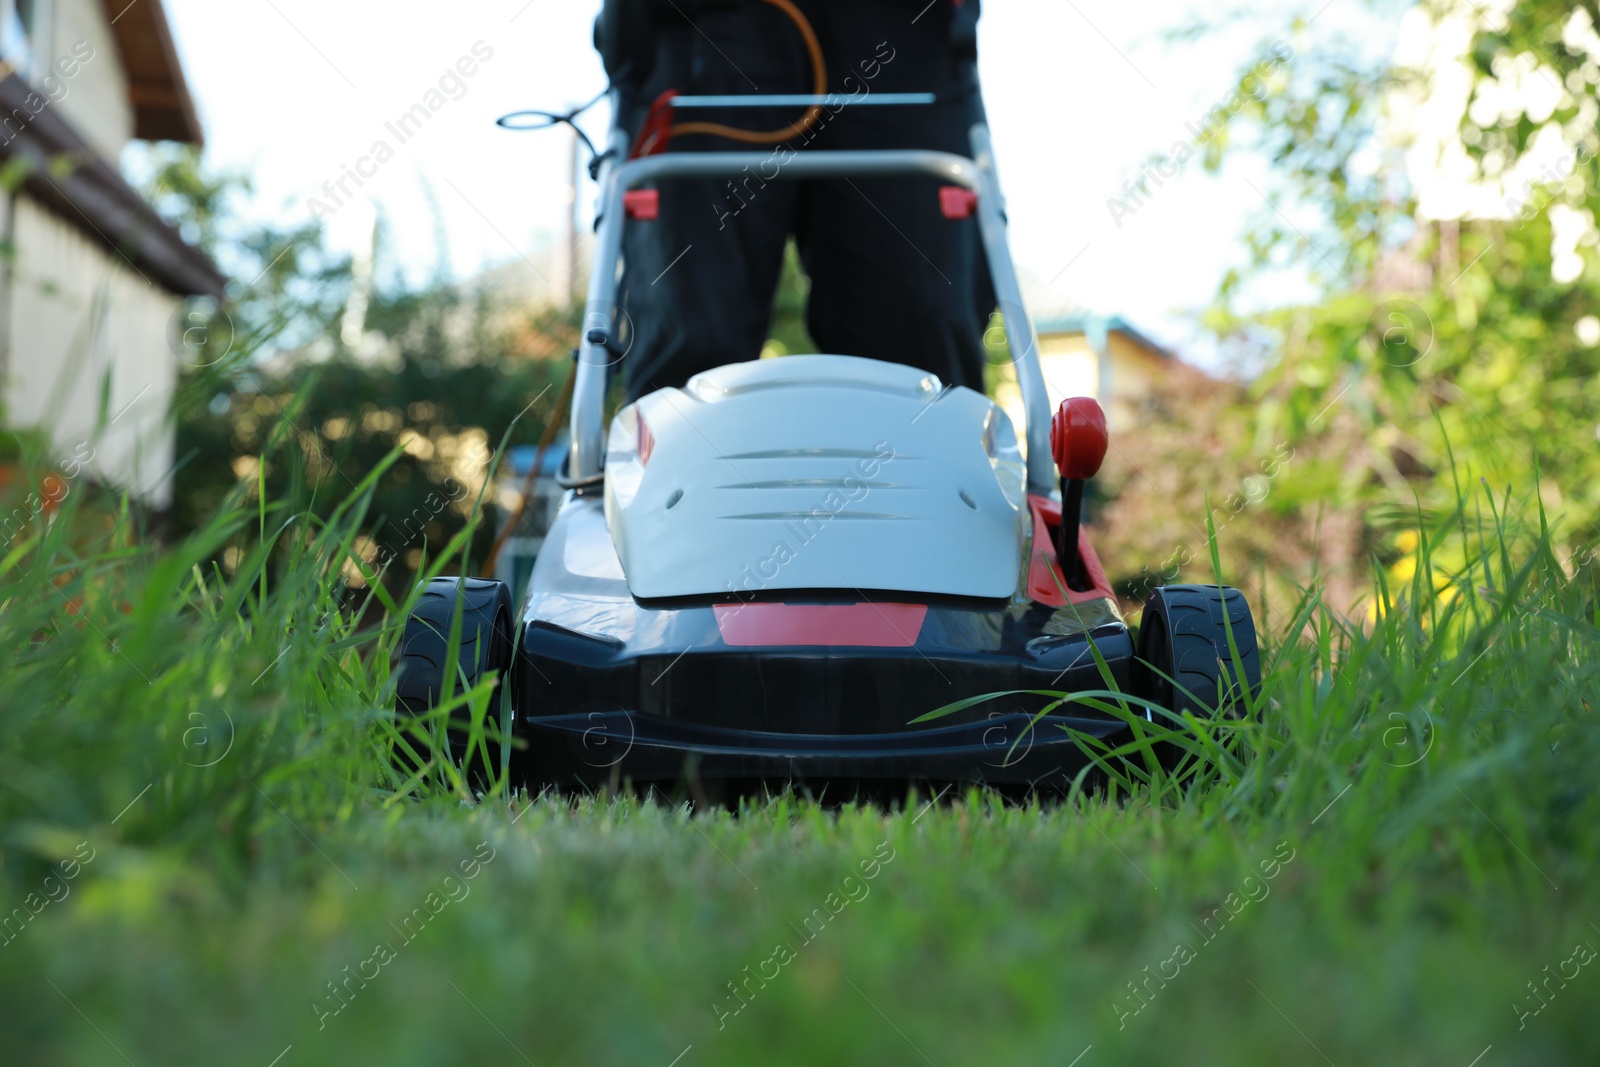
1553	42
444	412
440	375
1438	349
1187	464
23	444
787	332
296	288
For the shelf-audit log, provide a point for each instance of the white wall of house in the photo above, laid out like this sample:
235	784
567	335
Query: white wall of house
96	100
1072	368
76	313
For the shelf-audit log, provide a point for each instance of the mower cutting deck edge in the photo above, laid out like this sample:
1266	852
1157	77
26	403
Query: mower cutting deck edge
767	575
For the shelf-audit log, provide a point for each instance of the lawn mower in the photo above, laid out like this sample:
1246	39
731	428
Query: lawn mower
767	575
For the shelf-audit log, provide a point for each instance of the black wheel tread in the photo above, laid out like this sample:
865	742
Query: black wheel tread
485	643
1197	621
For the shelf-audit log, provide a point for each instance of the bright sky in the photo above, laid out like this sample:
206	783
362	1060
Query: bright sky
1079	95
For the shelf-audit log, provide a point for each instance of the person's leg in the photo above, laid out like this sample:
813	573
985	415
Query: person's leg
891	278
698	282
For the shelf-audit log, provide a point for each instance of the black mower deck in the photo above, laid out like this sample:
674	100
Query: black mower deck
818	688
819	684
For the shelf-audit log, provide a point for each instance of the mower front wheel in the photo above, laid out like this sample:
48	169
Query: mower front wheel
485	644
1184	660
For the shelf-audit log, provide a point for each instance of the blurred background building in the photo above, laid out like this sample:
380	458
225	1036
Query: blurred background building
93	281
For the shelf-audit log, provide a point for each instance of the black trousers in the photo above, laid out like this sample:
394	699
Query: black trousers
891	278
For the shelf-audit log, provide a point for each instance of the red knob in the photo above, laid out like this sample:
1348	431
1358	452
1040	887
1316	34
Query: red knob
1078	437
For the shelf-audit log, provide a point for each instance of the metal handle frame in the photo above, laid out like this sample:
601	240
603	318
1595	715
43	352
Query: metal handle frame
977	173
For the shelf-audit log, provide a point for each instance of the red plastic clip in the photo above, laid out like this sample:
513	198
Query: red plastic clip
642	204
957	202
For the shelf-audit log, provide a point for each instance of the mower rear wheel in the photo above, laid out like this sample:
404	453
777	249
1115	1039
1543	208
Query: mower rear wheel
1183	661
485	645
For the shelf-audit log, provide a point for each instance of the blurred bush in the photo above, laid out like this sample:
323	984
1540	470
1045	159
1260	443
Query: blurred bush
437	372
444	405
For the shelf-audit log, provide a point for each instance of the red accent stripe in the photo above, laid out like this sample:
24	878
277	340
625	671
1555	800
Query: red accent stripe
864	625
647	442
1044	570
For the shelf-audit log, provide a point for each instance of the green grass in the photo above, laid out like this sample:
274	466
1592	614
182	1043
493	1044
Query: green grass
1405	822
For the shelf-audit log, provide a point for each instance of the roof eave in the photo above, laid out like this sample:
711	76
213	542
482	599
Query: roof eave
67	176
163	109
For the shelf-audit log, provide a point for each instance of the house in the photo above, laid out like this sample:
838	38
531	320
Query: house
1104	357
93	287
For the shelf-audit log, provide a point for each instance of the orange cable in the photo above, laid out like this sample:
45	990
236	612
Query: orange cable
819	73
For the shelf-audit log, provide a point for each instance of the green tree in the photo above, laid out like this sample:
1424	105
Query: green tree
1430	338
272	400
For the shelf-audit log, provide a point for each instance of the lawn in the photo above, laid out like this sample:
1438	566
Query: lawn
209	857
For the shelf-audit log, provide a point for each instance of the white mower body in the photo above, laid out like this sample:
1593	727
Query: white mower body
816	472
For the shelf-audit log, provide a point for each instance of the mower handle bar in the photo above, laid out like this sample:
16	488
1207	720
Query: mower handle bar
596	353
801	100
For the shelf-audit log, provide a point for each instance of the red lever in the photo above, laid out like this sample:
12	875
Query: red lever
1078	437
642	204
1078	442
957	202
